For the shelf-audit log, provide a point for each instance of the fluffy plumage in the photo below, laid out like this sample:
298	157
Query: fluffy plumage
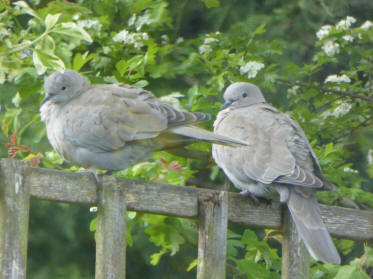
113	126
279	160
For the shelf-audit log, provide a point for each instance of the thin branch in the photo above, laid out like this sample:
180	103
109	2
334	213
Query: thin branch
352	95
179	18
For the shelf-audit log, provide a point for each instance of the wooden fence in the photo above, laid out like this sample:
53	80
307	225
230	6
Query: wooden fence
19	183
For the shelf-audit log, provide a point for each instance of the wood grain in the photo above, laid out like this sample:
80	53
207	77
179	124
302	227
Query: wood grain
183	202
212	240
14	219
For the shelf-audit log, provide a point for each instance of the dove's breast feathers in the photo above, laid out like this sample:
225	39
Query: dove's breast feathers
279	151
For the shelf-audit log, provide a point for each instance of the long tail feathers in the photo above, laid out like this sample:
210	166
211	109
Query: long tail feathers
204	135
305	212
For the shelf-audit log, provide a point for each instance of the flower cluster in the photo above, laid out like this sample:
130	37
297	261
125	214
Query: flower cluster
346	23
337	79
342	109
140	21
251	69
366	25
330	48
347	169
129	38
293	91
206	48
88	23
323	32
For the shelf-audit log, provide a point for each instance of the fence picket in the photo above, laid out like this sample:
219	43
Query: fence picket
111	231
212	242
295	258
14	219
19	182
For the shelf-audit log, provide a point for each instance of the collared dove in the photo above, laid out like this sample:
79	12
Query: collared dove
279	161
113	126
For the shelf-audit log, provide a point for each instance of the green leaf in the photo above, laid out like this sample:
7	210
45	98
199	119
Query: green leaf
16	100
43	60
192	265
51	20
26	8
141	83
156	257
211	3
80	60
260	29
93	225
71	29
350	272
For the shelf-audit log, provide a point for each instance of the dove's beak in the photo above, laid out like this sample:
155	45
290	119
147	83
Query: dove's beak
46	99
226	104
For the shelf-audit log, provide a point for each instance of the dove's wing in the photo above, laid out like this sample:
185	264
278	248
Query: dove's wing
279	151
106	117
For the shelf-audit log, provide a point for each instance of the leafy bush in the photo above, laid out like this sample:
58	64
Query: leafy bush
187	52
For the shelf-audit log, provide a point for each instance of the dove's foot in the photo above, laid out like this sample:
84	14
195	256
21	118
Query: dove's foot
254	198
247	193
93	171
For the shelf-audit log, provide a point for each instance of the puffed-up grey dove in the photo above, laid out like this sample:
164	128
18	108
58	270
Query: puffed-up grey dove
113	126
279	161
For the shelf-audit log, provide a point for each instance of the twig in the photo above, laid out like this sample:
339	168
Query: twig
179	18
352	95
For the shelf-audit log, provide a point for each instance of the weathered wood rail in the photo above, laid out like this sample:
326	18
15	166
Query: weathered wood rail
19	183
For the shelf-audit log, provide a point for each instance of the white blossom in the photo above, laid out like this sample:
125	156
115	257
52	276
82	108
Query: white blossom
293	90
370	157
366	25
346	23
347	169
348	38
204	49
93	209
210	40
165	39
330	48
323	32
342	109
140	21
76	17
143	20
179	40
89	23
337	79
128	38
251	68
132	20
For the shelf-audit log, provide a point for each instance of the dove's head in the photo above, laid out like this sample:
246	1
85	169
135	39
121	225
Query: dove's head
242	94
61	87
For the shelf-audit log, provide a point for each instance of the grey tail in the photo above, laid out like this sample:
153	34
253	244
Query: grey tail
305	212
204	135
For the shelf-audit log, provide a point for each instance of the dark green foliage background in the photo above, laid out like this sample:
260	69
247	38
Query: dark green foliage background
38	37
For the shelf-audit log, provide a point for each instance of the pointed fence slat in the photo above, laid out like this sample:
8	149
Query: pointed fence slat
212	241
111	232
14	219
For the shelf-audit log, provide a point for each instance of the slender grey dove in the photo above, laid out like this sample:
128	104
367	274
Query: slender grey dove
113	126
279	161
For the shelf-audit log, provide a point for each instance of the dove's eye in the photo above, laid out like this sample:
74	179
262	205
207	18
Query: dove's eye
63	88
244	95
